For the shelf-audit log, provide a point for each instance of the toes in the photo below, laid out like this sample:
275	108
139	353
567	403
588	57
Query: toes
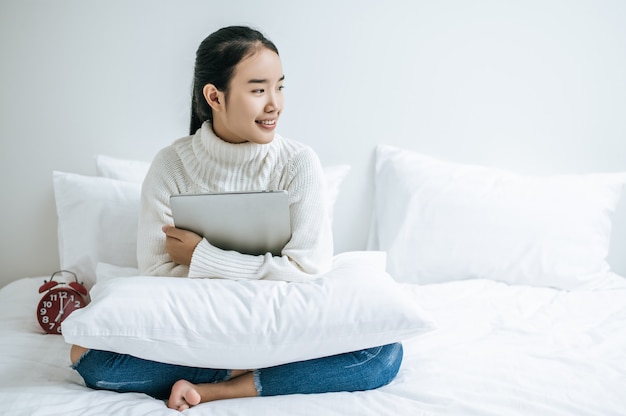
192	397
180	406
183	396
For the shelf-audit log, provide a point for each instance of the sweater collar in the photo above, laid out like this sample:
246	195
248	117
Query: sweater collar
207	142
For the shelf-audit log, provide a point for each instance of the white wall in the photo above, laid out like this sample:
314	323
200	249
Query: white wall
532	86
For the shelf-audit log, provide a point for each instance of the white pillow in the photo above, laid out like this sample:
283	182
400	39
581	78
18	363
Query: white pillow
441	221
121	169
107	271
334	176
135	171
97	222
243	324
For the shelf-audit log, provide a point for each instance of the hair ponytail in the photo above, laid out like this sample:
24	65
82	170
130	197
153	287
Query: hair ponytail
216	59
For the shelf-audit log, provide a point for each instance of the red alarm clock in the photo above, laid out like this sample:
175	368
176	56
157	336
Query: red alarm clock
59	301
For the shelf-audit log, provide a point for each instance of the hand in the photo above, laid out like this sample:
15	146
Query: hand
180	244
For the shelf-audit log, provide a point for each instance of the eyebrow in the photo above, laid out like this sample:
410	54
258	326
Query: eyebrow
264	81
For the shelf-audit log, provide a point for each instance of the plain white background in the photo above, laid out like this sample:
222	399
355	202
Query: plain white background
536	87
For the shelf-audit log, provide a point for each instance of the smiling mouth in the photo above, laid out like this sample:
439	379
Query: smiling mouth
266	122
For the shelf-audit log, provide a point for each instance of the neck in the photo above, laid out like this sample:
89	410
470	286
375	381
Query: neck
224	133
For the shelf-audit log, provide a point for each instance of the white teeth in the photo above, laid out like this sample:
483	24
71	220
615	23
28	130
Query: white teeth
267	122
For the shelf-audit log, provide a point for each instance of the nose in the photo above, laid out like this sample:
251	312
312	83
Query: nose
274	103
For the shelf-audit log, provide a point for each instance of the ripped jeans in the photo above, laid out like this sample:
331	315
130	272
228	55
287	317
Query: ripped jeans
360	370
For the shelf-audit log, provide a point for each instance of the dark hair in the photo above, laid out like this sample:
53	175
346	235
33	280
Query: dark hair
216	59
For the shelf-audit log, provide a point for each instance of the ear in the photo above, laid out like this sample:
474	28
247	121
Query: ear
214	97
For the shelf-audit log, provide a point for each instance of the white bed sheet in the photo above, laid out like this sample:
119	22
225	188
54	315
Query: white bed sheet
497	350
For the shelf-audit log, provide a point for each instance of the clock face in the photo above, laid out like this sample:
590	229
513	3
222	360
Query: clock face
55	306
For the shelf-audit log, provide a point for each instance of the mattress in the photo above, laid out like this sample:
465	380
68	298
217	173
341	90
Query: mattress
497	349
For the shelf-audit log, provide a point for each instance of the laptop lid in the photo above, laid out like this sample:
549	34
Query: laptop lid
247	222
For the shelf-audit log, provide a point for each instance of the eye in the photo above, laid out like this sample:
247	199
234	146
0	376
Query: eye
282	87
259	91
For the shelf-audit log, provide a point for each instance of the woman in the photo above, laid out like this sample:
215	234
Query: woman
237	101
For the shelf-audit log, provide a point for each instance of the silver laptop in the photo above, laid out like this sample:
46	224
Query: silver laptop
247	222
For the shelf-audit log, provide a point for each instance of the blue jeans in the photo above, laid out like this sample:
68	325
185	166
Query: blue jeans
360	370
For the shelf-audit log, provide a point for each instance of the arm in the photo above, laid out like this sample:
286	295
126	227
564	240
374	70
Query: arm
162	180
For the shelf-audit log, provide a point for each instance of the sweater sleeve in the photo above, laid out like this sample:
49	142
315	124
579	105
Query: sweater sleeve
162	180
308	253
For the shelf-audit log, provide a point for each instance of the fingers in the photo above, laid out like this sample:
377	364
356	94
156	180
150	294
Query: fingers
169	230
177	233
180	244
180	234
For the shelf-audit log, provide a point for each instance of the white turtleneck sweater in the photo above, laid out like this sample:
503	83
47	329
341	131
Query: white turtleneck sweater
205	163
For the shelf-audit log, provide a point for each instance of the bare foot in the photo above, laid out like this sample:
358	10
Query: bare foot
184	395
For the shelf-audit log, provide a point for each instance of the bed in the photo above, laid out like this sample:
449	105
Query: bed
519	313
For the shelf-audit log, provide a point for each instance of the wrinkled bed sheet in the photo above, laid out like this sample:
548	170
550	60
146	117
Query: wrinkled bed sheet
497	350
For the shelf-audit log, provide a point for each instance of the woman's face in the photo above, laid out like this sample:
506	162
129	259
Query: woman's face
249	111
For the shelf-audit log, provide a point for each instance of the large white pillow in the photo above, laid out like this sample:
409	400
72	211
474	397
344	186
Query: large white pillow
121	169
97	222
441	221
243	324
136	170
